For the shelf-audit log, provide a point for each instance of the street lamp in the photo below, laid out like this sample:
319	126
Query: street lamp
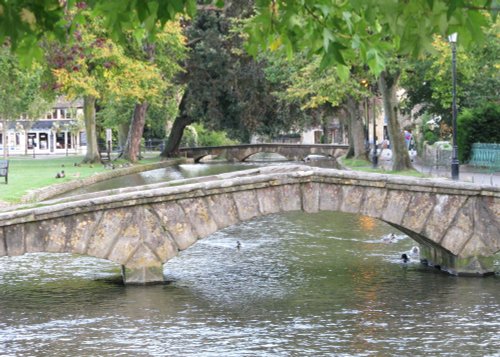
374	157
454	154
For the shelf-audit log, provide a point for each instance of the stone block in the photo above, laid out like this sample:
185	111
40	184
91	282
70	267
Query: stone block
442	216
109	228
176	223
155	237
373	203
143	267
352	198
36	235
330	198
396	204
418	210
456	237
310	197
81	229
223	208
129	237
3	248
290	198
247	204
268	200
197	213
487	224
14	240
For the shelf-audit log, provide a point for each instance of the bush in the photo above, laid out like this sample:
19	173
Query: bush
478	125
211	138
189	137
431	136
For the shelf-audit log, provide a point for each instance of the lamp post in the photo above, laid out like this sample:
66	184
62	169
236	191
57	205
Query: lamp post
374	157
454	154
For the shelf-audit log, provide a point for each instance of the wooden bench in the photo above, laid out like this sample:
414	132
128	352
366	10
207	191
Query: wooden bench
4	170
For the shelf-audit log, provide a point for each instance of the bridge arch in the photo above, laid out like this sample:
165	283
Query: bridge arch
141	229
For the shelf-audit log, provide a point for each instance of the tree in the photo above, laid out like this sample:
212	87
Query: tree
427	82
374	31
20	93
96	68
225	88
477	126
322	92
24	22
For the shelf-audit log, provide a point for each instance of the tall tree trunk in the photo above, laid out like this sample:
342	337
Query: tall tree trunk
93	155
175	137
133	144
388	83
356	129
180	123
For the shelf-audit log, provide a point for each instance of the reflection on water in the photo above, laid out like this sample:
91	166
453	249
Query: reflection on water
322	284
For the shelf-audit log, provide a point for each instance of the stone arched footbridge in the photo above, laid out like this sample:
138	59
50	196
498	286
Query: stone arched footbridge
457	224
295	152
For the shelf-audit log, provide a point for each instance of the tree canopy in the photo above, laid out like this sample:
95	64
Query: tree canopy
371	30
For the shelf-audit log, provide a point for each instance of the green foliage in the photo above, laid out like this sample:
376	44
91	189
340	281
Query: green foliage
24	22
371	30
212	138
428	81
198	135
431	135
20	91
228	89
190	137
479	125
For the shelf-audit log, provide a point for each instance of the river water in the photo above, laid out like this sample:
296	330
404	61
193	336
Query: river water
324	284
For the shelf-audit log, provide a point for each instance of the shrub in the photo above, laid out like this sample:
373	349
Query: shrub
478	125
212	138
431	136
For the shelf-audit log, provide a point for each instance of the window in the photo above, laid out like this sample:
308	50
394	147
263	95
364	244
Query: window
60	143
44	141
31	140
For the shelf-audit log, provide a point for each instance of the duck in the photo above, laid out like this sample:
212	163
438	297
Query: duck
415	252
390	238
405	258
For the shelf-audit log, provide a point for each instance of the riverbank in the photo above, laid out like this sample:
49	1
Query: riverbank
34	179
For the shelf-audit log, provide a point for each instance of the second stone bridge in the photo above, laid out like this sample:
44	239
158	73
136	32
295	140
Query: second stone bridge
295	152
456	224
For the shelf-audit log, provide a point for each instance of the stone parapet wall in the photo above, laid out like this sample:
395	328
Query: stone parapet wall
437	155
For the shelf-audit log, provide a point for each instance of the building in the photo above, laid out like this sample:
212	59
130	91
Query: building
60	131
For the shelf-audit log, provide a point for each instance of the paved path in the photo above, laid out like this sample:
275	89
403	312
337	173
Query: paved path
482	176
466	174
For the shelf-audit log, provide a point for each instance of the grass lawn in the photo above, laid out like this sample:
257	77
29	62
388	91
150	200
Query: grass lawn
26	173
366	166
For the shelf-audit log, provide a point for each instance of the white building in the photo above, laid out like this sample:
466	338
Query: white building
59	132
